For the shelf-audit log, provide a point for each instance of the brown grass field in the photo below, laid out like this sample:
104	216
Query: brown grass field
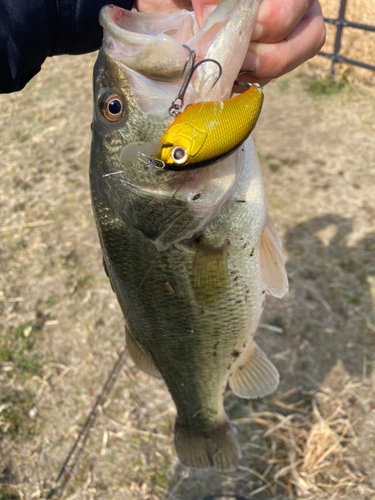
356	44
61	330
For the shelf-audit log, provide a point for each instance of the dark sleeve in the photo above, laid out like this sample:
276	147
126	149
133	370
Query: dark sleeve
32	30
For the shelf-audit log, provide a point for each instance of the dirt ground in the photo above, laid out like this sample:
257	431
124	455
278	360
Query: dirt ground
62	331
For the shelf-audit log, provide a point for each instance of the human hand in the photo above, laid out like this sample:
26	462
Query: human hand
286	33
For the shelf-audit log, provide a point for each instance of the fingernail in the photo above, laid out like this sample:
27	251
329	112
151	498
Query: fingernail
251	61
257	31
265	10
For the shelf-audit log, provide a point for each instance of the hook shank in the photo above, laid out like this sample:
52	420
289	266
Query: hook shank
176	106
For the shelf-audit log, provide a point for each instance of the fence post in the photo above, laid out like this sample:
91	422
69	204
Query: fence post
339	27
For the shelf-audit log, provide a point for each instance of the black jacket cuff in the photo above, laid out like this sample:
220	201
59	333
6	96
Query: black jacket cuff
32	30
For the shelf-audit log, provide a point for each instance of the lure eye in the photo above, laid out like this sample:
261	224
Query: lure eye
112	108
179	155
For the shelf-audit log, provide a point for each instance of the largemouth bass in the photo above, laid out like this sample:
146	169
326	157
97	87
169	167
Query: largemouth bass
190	255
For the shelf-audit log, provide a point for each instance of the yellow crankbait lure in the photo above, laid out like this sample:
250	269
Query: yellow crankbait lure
206	131
202	134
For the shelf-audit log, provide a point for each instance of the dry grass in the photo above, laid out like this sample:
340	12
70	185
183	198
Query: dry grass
356	44
309	451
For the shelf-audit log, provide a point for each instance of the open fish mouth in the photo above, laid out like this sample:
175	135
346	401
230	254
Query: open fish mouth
151	46
153	52
139	40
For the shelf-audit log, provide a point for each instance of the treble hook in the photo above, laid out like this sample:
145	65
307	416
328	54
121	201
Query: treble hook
175	108
151	161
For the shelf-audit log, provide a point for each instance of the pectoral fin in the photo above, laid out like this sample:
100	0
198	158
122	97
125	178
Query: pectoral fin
140	357
256	376
209	276
272	261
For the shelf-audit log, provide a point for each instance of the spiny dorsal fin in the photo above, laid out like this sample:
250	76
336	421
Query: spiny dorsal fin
209	276
255	376
272	261
140	358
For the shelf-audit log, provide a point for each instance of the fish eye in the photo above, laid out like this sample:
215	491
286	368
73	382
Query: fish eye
112	108
179	155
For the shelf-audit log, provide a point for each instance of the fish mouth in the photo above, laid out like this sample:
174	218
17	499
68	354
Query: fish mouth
196	166
149	44
152	51
152	45
149	50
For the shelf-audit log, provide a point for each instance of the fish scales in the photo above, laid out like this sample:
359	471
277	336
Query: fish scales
188	350
190	255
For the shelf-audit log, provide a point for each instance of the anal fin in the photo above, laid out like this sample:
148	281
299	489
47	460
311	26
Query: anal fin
255	376
140	357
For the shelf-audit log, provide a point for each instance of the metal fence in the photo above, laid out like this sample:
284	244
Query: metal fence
342	23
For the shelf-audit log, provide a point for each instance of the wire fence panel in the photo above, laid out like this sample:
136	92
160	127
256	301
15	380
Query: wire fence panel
342	23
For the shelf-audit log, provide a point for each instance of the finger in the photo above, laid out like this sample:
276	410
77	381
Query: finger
271	60
277	18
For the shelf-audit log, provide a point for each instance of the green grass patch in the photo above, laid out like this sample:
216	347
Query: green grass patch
351	298
326	86
18	350
275	164
274	167
282	85
79	280
16	346
51	301
8	493
15	419
159	478
19	207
